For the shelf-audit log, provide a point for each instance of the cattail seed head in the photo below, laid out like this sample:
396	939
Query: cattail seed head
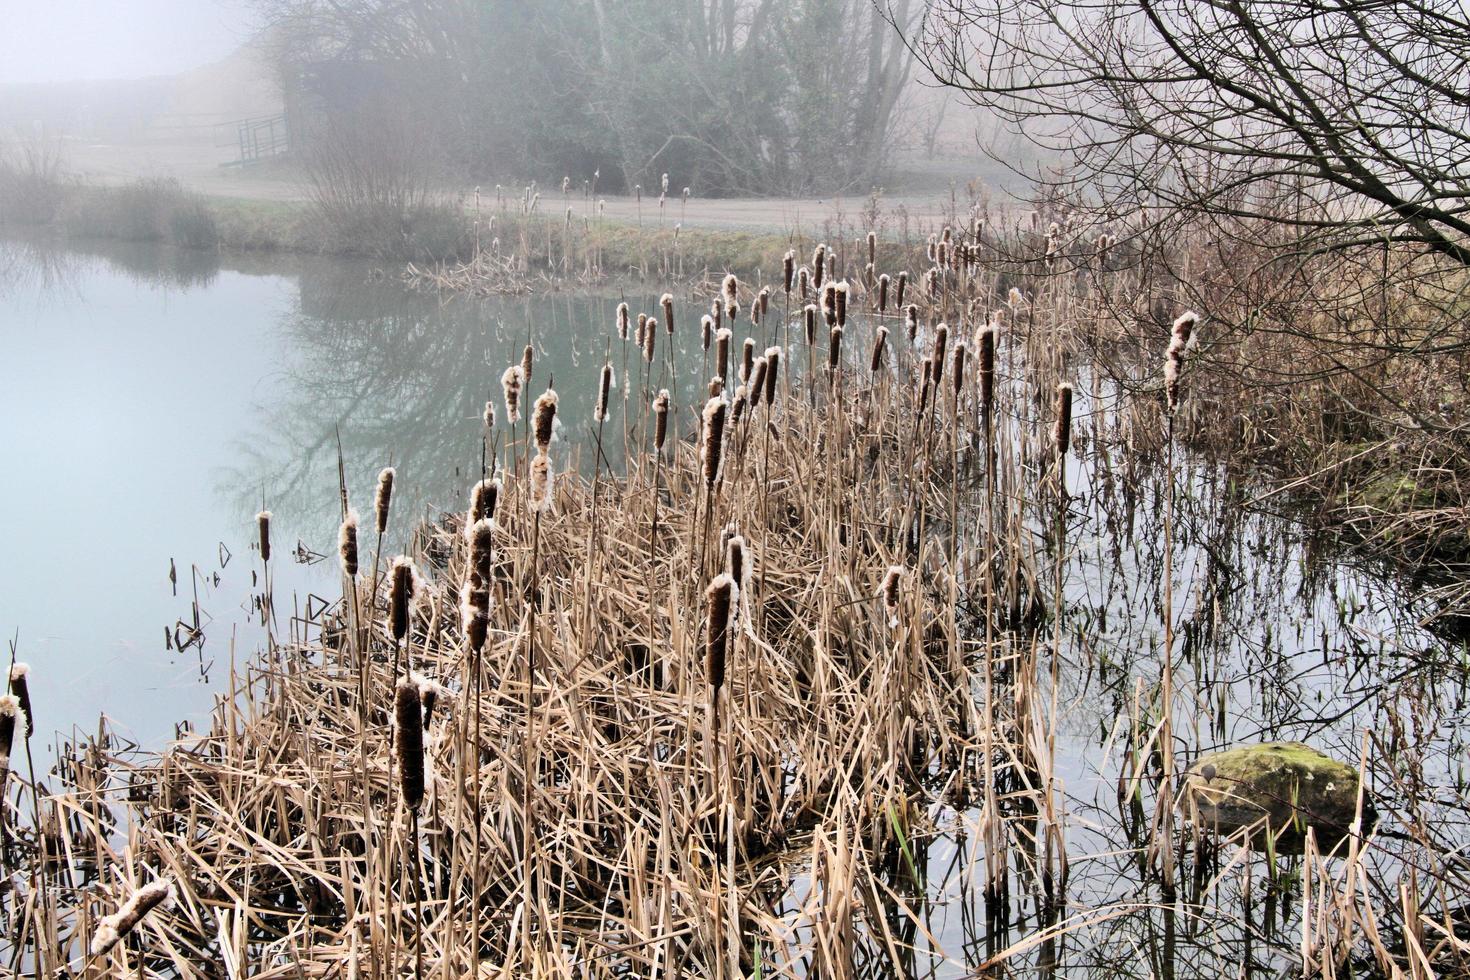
400	596
737	560
839	297
263	524
20	686
883	293
941	345
642	330
720	598
667	302
819	266
931	282
660	419
489	417
788	269
706	332
747	358
834	351
924	384
542	491
717	312
484	495
722	352
408	718
957	369
1062	433
888	592
383	499
545	419
872	247
773	368
737	407
511	382
714	439
880	341
757	382
1183	328
809	323
10	720
528	356
986	369
347	544
650	335
903	282
716	386
475	595
764	301
911	321
1180	335
730	288
829	303
112	929
803	281
604	389
622	321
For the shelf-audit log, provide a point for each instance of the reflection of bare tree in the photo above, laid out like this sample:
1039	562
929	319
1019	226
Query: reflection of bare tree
45	266
404	378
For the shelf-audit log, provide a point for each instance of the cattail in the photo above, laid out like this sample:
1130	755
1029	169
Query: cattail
10	715
757	382
773	368
714	439
721	597
483	498
722	352
660	419
112	929
809	313
888	592
527	357
511	382
819	266
604	388
941	342
642	329
829	303
667	302
409	741
931	282
716	386
263	522
924	384
400	596
650	335
1183	330
737	407
736	560
747	358
475	595
1180	335
730	287
717	312
20	686
1015	297
489	417
883	293
839	303
622	321
788	269
986	368
1062	433
763	300
931	249
706	332
903	282
941	255
872	247
957	369
542	491
834	351
803	282
347	544
430	693
384	498
545	419
911	321
880	340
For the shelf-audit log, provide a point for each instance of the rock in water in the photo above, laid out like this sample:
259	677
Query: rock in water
1290	785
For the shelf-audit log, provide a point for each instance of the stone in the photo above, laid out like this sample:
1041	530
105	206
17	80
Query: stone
1288	786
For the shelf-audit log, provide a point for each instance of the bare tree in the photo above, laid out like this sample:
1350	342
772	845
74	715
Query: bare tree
1337	121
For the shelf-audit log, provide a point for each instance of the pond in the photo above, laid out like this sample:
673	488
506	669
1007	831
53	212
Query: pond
155	402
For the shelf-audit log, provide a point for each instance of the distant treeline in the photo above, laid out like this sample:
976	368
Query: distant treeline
725	96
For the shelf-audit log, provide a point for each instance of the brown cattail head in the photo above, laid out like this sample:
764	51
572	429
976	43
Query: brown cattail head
957	369
722	352
747	358
1183	328
872	247
941	346
528	357
829	303
650	335
475	595
706	332
430	693
1015	297
400	596
773	368
716	386
819	266
511	382
788	270
839	297
20	686
883	293
347	544
986	368
834	351
484	495
1062	433
622	321
642	330
263	523
489	416
1179	338
903	282
757	382
720	598
730	288
809	323
408	720
112	929
545	419
383	500
737	561
714	439
10	720
803	282
660	420
911	321
924	384
542	490
604	389
880	341
717	311
888	592
931	282
667	302
764	300
737	407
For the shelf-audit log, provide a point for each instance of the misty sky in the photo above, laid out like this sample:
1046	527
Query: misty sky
61	40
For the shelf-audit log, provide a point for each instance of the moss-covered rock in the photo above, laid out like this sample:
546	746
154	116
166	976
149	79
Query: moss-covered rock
1287	786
